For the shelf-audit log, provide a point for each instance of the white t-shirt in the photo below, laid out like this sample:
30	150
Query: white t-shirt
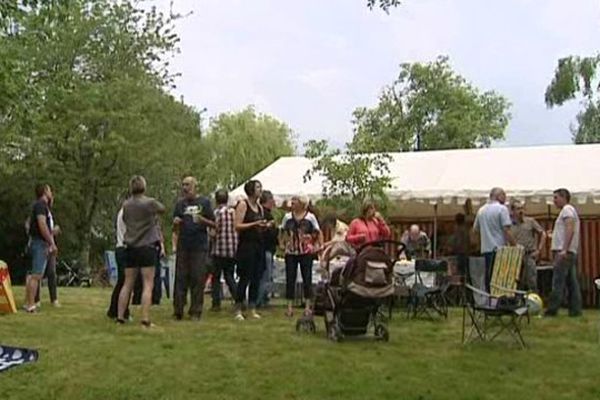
560	229
120	229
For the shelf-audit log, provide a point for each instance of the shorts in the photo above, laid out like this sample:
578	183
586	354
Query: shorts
141	257
39	256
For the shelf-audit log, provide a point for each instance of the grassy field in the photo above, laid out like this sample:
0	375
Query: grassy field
83	355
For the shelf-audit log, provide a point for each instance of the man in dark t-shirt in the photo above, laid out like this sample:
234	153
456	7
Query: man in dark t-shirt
192	216
41	243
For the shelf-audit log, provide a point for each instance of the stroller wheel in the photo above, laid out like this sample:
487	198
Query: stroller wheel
382	333
306	325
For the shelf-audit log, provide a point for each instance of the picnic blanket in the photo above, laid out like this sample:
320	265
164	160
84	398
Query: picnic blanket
12	356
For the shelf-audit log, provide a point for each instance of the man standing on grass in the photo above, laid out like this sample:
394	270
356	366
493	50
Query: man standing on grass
493	224
224	248
42	244
529	234
192	216
565	244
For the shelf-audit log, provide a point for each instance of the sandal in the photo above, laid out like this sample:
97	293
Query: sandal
148	324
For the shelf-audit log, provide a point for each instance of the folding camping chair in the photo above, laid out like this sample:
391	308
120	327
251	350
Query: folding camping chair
488	315
427	296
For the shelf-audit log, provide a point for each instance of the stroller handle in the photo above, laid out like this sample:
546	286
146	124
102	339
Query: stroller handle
400	249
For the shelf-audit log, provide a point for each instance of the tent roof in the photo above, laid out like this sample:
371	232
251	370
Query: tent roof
449	177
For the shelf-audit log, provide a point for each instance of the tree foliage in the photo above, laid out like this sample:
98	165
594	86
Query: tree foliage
385	5
429	107
350	177
577	77
85	104
242	143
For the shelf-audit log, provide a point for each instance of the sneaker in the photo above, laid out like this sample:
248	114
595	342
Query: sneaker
255	315
239	316
30	310
56	304
38	304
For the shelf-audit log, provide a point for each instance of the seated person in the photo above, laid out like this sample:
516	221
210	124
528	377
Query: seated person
417	243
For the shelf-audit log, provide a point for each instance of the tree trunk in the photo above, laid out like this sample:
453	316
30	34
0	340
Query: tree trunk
84	254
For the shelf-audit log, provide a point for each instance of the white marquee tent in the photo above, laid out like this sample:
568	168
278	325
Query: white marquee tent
440	182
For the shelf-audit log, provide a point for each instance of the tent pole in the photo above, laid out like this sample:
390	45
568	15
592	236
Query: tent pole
435	210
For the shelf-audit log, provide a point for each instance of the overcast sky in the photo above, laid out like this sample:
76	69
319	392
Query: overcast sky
312	62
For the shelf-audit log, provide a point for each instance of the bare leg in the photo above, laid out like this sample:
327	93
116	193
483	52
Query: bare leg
125	295
33	283
148	279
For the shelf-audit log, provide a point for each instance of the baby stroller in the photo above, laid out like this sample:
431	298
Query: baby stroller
352	298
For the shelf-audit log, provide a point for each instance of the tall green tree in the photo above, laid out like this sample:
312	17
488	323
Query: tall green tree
240	144
577	77
429	106
94	107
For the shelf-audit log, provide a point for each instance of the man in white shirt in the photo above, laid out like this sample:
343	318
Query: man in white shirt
121	259
565	245
493	224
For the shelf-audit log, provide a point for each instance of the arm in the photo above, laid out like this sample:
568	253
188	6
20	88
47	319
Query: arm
541	234
507	224
384	230
508	236
45	232
159	207
175	238
355	237
208	215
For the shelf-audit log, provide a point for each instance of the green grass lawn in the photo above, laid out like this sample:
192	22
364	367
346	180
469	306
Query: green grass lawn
83	355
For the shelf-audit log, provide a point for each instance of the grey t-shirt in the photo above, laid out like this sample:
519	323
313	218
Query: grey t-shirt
560	229
141	221
490	221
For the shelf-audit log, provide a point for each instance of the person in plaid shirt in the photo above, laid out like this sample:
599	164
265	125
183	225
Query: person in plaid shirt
224	248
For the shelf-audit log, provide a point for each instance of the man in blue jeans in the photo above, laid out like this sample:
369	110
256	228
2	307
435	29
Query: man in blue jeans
42	243
565	244
493	224
271	240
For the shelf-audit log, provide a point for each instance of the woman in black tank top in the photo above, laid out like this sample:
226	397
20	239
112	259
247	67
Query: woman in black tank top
250	224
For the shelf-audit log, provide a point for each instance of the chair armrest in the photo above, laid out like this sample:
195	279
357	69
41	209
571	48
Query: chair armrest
478	291
515	291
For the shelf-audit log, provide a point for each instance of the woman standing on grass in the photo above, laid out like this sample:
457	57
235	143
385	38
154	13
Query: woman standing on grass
369	227
140	214
301	238
250	224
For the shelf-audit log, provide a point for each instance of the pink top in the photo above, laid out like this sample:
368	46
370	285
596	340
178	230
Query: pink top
362	231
